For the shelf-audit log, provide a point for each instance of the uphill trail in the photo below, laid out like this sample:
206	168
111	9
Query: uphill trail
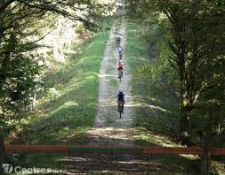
109	129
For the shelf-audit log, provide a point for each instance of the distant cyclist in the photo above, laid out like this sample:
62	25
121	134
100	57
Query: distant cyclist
120	100
118	41
120	69
120	51
120	65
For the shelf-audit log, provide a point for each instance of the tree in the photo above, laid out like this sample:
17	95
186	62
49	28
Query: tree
19	36
196	42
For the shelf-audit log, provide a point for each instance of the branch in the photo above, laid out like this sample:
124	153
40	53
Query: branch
32	14
174	50
48	8
173	65
173	59
71	5
43	36
4	6
166	12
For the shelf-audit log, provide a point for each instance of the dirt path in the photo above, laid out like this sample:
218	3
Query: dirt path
110	129
108	126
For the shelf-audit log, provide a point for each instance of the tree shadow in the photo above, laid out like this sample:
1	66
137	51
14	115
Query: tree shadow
129	163
58	128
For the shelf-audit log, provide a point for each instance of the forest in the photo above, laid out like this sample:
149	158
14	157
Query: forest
57	79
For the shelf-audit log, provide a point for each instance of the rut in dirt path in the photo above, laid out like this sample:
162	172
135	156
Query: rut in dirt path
108	125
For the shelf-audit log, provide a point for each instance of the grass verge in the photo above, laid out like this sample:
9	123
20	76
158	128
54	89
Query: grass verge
156	114
67	110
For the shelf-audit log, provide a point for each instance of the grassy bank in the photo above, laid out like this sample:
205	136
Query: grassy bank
156	112
67	109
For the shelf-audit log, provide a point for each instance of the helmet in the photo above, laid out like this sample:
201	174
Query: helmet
121	61
120	92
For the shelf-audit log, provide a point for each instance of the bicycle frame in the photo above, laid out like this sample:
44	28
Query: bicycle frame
120	108
120	73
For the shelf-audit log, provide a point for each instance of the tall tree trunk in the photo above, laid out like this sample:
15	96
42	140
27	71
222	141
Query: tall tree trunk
206	157
185	126
186	109
185	104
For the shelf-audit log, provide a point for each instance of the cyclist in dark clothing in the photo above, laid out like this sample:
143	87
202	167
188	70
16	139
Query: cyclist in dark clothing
121	99
118	41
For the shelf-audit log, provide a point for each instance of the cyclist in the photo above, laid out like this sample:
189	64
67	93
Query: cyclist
120	65
120	100
118	41
120	50
120	69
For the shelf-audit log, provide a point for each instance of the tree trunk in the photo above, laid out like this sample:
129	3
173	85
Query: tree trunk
185	104
2	153
206	158
185	109
185	126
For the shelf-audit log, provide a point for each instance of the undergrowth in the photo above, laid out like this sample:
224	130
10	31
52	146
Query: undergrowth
67	109
155	96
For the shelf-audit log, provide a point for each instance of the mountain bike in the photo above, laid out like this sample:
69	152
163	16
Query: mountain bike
117	43
120	74
120	108
120	56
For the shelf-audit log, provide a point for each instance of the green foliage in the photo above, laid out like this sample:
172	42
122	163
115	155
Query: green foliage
156	111
154	84
19	72
194	31
21	29
211	127
64	115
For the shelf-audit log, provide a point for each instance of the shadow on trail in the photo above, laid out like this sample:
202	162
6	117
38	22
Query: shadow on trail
52	128
61	127
128	163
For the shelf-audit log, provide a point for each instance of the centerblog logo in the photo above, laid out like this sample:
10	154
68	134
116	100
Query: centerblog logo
8	169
